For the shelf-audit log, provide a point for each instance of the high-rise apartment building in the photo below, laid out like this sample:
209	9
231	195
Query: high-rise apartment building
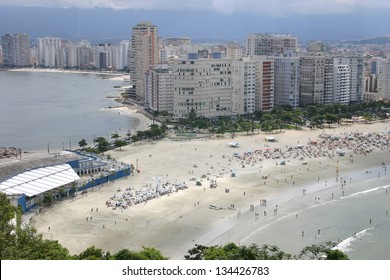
341	84
384	80
312	75
159	89
329	81
16	49
122	54
143	55
270	44
356	66
375	64
287	80
202	85
49	51
244	86
371	83
264	99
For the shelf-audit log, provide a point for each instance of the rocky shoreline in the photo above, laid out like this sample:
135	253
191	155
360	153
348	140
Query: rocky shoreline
9	152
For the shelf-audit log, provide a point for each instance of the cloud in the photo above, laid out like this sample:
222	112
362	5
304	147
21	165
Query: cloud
261	7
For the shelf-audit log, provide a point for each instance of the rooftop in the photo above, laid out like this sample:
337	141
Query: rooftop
12	167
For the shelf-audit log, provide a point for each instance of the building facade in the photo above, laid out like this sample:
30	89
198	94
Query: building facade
384	81
312	75
287	81
341	84
203	86
16	49
159	89
264	95
144	54
49	52
270	44
329	81
356	66
244	86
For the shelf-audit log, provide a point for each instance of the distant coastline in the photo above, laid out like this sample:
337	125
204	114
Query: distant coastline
117	75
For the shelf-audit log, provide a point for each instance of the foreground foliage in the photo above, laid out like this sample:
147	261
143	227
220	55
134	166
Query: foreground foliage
232	251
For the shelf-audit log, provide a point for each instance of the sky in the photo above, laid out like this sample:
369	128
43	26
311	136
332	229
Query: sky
198	19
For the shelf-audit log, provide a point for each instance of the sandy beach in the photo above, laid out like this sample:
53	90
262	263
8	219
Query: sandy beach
262	191
113	75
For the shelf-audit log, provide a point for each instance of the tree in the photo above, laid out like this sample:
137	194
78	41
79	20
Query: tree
231	251
286	117
18	243
115	136
247	126
151	254
91	253
120	143
134	138
102	144
322	251
331	118
154	131
317	120
126	254
82	143
145	254
336	255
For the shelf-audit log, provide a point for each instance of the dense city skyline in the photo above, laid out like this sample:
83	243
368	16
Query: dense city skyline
220	20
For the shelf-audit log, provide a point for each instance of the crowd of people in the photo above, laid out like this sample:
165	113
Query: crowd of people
132	196
326	145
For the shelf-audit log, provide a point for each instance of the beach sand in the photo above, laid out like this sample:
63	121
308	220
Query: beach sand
175	223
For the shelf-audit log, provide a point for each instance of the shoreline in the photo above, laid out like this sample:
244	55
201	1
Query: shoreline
61	70
175	223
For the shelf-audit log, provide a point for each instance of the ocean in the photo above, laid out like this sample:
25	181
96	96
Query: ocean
52	110
356	217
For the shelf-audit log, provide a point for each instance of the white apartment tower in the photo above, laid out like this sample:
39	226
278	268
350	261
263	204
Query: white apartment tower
121	55
270	44
356	66
49	51
244	86
202	85
143	55
341	84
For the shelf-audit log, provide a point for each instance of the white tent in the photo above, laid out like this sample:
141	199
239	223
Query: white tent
40	180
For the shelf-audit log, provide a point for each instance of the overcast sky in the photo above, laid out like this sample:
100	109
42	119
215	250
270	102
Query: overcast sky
228	19
274	7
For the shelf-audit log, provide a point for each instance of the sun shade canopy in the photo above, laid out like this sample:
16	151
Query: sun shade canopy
40	180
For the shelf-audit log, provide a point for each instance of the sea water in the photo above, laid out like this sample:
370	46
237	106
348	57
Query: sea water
357	219
46	110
